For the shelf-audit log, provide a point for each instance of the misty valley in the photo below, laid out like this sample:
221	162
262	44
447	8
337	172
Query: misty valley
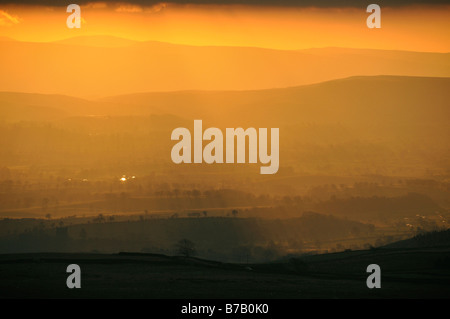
96	176
94	180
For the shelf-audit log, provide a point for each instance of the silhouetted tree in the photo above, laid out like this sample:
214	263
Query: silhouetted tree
99	219
186	248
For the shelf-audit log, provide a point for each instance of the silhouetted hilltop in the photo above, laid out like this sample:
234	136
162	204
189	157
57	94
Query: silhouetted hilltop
428	239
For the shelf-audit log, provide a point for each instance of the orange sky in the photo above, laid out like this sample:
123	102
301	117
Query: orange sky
405	28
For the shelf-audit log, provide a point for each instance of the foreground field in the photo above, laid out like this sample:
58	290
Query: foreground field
406	273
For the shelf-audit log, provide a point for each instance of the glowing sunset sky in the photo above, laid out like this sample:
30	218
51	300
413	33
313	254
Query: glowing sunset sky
286	26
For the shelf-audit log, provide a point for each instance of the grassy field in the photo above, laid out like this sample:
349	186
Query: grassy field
405	273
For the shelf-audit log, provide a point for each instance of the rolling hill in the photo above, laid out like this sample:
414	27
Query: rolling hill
405	274
425	240
383	99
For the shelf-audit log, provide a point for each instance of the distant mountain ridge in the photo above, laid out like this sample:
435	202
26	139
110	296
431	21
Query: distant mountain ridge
98	41
103	66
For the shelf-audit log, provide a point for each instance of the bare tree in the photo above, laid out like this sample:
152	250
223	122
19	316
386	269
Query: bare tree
186	248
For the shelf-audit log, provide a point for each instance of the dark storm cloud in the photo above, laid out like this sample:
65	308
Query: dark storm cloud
287	3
